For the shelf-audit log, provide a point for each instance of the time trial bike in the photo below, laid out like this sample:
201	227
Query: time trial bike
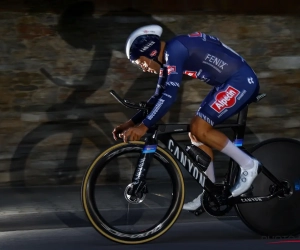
133	192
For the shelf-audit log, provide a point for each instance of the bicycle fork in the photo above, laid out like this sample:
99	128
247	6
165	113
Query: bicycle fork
138	188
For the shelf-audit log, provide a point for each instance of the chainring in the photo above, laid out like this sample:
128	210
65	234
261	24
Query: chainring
213	206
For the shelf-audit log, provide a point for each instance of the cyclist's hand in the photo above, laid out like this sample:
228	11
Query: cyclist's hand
194	140
192	137
118	131
134	134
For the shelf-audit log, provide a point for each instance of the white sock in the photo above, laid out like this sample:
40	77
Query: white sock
210	172
244	160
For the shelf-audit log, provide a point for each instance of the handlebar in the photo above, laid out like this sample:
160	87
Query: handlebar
141	106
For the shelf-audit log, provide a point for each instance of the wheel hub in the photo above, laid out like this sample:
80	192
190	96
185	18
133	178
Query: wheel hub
285	192
134	198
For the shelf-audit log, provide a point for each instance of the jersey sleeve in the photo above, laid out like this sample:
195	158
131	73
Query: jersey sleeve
138	117
175	55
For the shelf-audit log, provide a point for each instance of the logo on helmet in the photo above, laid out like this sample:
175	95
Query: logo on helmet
147	46
149	31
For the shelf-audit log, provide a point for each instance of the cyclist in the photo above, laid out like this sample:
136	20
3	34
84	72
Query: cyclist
206	58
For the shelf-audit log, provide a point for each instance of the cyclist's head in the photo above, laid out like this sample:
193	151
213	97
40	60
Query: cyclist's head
144	42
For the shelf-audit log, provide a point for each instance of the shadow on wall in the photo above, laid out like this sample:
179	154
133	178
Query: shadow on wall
79	28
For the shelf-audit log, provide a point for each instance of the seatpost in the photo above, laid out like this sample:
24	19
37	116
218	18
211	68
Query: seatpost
241	121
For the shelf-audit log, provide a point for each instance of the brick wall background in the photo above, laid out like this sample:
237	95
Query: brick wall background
59	61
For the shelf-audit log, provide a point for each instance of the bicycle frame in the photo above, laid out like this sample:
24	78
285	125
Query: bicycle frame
163	133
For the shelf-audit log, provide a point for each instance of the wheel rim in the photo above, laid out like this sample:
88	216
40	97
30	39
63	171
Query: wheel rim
118	233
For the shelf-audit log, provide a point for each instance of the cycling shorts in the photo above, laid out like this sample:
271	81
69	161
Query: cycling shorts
228	99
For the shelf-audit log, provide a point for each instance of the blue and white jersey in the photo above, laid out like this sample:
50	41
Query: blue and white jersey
197	55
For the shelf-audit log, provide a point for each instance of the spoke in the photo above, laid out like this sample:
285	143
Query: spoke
162	196
130	217
127	217
128	204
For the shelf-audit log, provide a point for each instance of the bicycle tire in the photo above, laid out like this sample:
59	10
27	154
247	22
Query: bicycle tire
279	216
108	231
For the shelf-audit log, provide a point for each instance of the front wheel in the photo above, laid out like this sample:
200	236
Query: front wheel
279	216
105	199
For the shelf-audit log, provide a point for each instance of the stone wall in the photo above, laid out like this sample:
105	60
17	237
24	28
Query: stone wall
57	70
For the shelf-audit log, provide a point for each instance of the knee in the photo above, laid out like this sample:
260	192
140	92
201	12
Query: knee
200	129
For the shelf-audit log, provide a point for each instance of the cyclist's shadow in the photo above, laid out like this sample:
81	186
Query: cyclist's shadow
80	29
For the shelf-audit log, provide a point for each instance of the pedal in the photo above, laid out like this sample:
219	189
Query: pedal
198	211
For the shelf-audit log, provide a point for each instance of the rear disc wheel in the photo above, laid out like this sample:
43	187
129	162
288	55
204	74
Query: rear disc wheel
279	216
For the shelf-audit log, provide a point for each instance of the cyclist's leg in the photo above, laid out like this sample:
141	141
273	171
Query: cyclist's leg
210	169
228	99
196	203
205	148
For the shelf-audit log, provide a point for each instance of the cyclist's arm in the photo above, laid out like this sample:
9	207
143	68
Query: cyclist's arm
138	117
177	54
